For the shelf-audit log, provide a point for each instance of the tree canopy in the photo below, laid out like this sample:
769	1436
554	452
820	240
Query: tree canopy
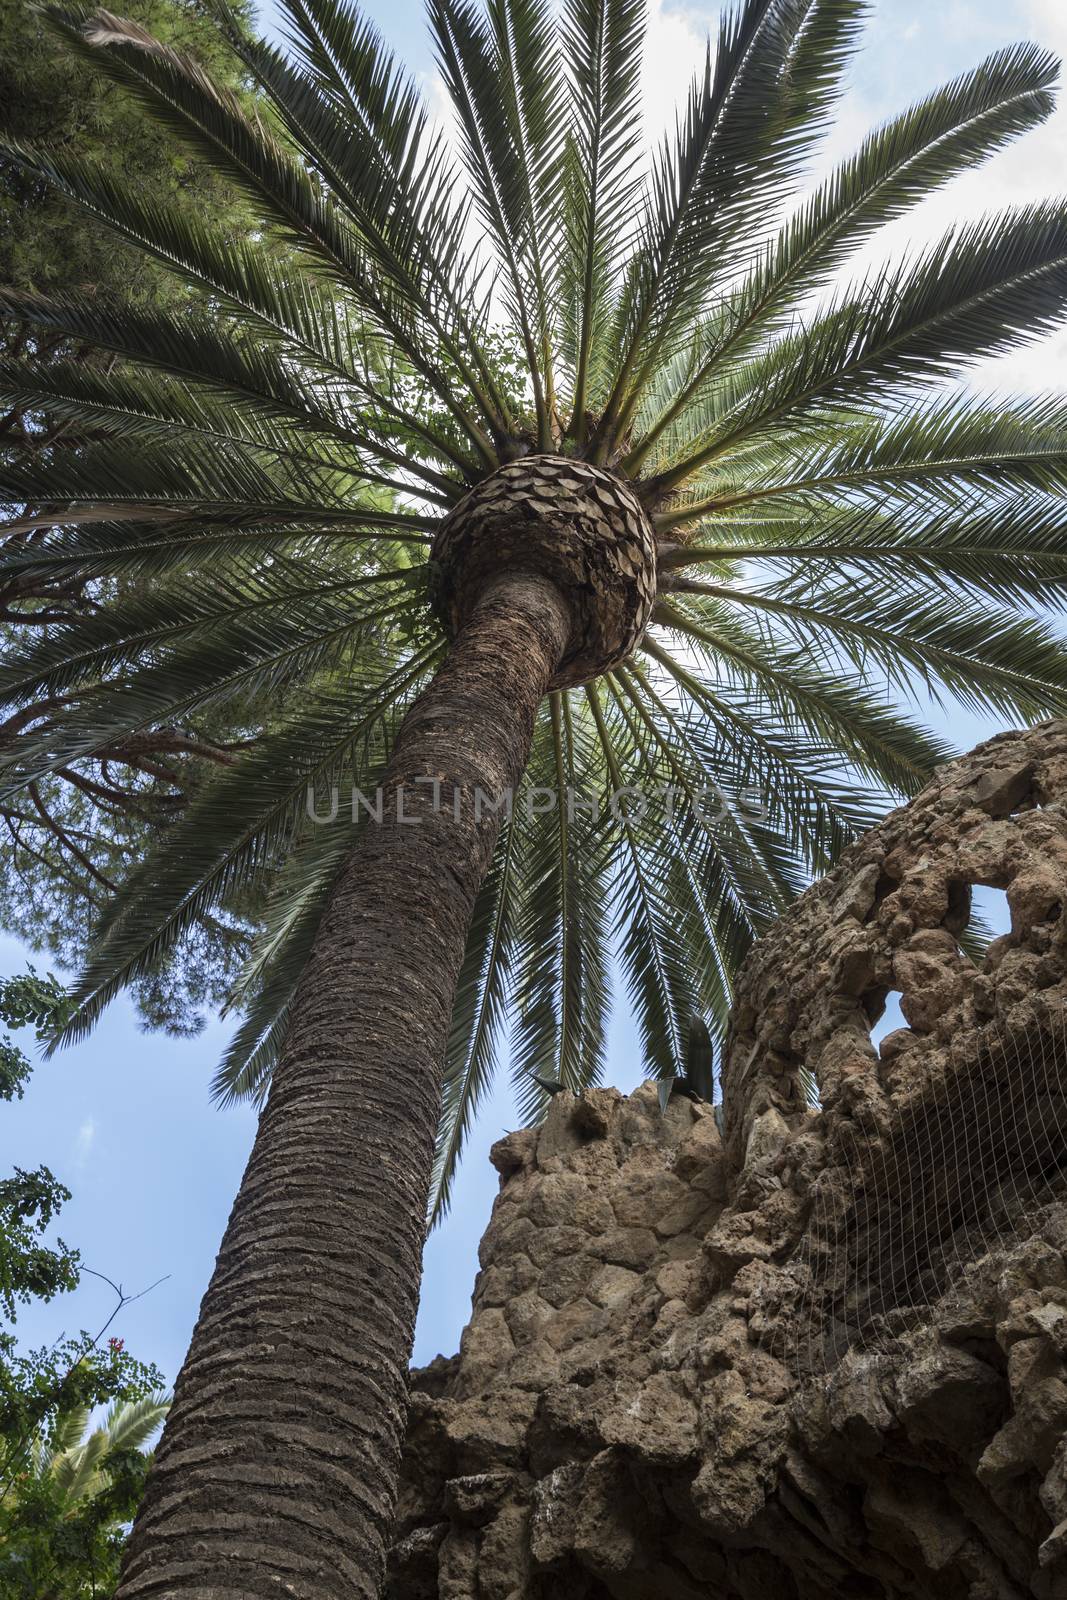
66	1489
50	97
70	839
839	521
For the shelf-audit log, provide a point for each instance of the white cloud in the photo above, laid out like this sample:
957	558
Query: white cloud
1048	20
676	41
84	1140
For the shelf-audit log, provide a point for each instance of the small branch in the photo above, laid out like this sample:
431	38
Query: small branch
66	843
49	866
122	1299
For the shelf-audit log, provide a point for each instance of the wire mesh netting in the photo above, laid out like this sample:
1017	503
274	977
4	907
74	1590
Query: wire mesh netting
966	1169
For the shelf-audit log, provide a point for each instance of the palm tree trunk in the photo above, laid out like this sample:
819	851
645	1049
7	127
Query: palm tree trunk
276	1473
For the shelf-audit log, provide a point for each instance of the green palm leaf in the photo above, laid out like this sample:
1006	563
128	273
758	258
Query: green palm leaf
602	42
978	291
241	826
896	167
561	960
479	1014
750	120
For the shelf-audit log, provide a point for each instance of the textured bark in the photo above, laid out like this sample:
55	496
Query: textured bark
277	1470
583	527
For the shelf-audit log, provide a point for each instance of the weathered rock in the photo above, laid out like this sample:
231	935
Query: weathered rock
827	1355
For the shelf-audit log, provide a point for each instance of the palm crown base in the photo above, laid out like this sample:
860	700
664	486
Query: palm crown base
577	525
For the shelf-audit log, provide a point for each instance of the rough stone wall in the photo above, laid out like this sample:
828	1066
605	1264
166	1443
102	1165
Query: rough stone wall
674	1382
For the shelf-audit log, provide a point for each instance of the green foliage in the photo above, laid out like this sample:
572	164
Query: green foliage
71	839
29	1201
24	1001
840	525
66	1491
30	1270
48	97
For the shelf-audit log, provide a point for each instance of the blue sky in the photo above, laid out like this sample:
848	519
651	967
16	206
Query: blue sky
125	1118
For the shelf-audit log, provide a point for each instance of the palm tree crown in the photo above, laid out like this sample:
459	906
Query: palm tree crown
258	486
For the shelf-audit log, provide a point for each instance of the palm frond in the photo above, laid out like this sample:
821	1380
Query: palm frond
138	627
662	977
197	351
499	75
284	942
1015	551
745	748
602	46
131	1423
982	289
479	1013
391	175
238	827
561	964
895	168
750	121
945	450
212	123
905	636
873	738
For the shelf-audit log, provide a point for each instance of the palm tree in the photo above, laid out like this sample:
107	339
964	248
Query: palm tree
72	1457
531	456
64	1514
